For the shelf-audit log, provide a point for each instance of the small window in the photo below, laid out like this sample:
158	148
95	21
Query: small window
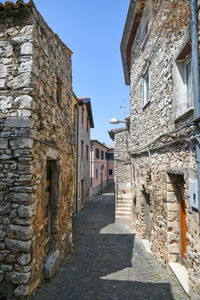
110	156
146	87
183	91
97	153
59	91
102	155
82	149
144	32
88	125
87	152
110	172
96	173
82	116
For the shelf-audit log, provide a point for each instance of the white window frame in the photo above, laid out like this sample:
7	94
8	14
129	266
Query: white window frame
186	63
146	87
181	106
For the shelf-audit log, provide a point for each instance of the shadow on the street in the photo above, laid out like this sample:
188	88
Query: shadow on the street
101	264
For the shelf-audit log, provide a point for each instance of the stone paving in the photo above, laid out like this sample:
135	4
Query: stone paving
108	262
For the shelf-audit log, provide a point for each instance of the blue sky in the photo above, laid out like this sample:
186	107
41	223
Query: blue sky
93	29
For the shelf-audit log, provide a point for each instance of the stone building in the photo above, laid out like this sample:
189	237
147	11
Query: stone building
157	65
122	172
102	167
84	122
36	159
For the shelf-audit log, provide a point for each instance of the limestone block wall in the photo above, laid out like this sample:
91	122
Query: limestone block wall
157	172
36	162
122	169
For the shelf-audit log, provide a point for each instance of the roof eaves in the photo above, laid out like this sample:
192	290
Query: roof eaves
87	102
129	32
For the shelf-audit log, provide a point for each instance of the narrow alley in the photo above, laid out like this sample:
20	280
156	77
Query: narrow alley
108	262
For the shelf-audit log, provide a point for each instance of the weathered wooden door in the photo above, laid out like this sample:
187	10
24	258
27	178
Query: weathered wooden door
183	226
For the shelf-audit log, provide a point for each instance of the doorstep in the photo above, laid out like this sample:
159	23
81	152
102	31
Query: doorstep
181	275
147	246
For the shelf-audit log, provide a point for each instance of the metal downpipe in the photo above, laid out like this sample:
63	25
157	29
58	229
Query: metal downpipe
195	70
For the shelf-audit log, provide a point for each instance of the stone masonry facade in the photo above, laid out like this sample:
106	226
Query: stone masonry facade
162	151
122	171
36	159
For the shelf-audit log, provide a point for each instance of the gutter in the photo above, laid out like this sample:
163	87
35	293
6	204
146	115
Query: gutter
195	70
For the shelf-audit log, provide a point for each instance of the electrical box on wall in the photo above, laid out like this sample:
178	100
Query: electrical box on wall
193	194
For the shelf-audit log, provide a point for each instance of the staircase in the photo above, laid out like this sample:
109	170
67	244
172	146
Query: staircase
123	207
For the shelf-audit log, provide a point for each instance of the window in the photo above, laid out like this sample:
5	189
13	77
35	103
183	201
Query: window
97	153
102	155
110	156
88	125
110	172
59	91
96	173
82	149
145	88
82	116
87	152
189	84
183	92
144	31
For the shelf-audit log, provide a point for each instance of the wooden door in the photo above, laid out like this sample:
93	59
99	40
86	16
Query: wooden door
183	226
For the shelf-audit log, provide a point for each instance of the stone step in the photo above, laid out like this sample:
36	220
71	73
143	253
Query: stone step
123	209
123	202
124	199
120	216
119	212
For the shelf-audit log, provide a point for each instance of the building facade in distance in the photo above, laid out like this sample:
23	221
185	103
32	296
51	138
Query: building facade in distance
83	123
101	167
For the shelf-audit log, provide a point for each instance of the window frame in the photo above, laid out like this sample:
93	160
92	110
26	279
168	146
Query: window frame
82	149
186	62
181	107
146	87
102	155
87	152
97	151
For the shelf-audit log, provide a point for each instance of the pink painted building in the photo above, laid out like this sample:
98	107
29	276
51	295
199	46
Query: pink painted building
101	167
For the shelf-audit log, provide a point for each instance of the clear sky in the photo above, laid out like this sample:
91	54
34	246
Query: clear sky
93	29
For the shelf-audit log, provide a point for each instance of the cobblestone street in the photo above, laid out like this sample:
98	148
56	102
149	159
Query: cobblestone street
108	262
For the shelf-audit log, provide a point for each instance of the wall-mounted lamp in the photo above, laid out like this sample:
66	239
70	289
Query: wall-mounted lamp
116	121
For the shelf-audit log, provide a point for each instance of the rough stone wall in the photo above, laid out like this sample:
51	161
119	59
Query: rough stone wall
156	214
122	174
36	126
83	163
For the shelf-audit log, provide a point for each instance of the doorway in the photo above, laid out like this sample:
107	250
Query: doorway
51	205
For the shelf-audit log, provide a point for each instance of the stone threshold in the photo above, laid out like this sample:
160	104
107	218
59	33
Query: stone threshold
181	275
147	246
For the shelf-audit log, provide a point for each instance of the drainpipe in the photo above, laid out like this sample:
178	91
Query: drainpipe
195	68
